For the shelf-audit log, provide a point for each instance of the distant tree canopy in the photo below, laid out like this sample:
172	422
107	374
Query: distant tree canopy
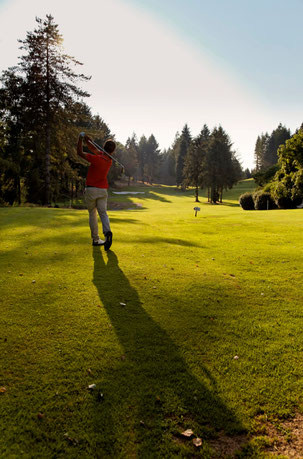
266	148
42	110
210	163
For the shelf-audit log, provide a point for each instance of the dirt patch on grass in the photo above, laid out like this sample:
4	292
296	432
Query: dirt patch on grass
227	446
276	438
286	436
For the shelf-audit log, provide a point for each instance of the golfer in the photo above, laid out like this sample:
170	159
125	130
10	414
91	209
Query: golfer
96	186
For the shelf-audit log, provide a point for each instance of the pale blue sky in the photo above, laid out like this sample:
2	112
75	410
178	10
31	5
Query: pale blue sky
231	62
259	40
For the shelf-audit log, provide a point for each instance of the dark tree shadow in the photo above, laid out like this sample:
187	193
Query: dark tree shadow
155	384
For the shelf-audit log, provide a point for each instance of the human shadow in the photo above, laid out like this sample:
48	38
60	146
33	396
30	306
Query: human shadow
153	382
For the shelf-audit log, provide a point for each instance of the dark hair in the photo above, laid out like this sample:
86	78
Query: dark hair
110	146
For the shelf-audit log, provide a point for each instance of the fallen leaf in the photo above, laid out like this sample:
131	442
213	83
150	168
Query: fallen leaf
33	281
197	442
123	357
92	386
2	390
187	433
236	357
40	415
122	304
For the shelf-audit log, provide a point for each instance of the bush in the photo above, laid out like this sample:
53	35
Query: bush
263	200
284	202
246	201
285	196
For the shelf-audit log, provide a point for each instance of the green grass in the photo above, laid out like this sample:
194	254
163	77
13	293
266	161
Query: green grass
198	291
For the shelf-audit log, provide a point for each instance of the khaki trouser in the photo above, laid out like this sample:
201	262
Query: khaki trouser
96	200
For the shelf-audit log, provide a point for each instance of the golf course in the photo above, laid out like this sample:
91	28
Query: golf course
184	340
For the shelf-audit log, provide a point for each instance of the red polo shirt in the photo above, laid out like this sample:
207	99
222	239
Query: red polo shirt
98	170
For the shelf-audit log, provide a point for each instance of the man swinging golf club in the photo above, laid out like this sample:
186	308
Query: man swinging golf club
96	187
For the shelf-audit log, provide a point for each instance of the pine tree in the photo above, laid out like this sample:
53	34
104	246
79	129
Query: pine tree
49	90
142	154
278	137
130	157
222	168
153	158
195	161
181	150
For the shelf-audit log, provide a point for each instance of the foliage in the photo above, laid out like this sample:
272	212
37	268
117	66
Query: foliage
181	148
152	160
262	177
263	200
194	163
246	201
40	106
266	149
288	182
221	168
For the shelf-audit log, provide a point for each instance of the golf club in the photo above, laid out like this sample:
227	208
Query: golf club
82	134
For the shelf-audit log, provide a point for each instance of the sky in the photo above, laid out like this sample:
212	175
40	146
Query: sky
159	64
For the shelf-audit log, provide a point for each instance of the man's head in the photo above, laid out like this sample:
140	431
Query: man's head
109	146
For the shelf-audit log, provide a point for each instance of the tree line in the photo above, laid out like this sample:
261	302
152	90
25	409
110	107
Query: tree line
42	110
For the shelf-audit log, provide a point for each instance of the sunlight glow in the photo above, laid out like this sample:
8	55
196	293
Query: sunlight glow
145	78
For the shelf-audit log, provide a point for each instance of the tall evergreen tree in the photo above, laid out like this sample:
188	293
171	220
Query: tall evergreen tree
130	157
153	158
260	151
49	88
278	137
195	161
12	150
222	169
183	145
142	154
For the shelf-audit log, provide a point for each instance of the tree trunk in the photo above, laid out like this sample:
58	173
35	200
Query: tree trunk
197	194
18	189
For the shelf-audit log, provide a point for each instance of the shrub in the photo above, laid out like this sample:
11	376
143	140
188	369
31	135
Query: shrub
284	196
246	201
284	202
263	200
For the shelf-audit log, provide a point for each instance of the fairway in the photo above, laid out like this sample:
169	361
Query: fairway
186	323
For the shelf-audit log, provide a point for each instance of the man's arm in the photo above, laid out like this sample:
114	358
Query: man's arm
91	146
80	151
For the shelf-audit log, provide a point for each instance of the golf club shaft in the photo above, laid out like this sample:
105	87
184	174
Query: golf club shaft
105	152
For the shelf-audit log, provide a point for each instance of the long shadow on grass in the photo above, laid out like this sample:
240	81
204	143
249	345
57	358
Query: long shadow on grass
152	394
167	240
